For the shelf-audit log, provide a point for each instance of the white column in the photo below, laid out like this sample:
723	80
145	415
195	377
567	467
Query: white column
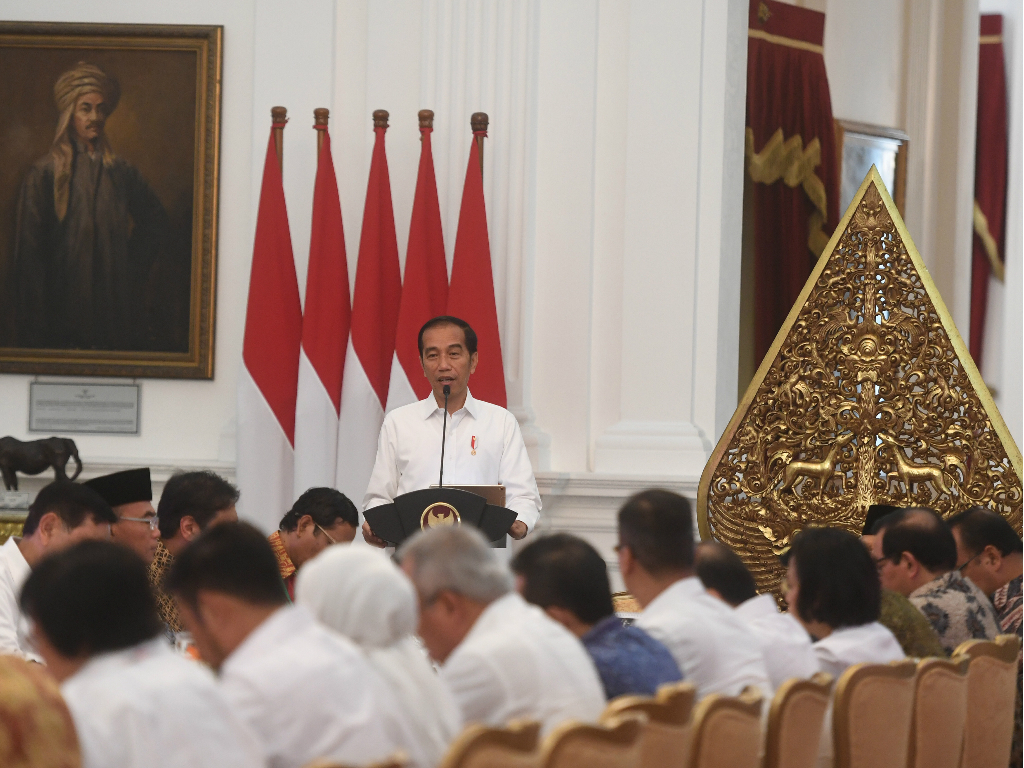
681	244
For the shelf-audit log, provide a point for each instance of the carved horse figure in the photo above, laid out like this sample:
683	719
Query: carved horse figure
34	456
822	470
910	472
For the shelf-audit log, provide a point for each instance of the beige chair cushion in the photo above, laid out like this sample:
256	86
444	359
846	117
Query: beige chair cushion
616	744
991	691
667	732
481	747
940	709
727	732
873	710
795	722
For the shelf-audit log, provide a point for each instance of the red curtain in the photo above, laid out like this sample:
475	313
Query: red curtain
791	157
989	175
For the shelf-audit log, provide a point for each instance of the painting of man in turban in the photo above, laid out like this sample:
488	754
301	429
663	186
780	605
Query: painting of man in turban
108	198
89	228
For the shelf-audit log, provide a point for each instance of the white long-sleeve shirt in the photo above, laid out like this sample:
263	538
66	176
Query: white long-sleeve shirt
309	693
714	649
147	707
483	446
14	570
869	643
784	643
516	662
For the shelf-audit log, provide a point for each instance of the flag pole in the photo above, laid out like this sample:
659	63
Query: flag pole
320	117
426	120
380	118
278	118
479	122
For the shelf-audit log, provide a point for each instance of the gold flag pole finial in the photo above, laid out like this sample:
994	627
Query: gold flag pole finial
479	122
278	119
321	116
380	118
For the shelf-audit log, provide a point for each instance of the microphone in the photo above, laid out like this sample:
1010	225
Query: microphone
447	390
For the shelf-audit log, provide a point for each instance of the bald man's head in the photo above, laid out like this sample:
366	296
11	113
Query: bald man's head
920	532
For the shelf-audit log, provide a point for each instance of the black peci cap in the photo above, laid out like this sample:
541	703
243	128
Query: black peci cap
125	487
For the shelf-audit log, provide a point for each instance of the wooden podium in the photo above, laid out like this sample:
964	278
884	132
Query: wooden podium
438	507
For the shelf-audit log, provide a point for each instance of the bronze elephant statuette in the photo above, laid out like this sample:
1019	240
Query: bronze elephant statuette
34	456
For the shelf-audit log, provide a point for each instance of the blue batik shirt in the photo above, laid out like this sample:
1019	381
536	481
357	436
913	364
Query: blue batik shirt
628	659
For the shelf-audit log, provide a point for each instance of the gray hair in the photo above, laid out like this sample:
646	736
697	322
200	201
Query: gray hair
458	559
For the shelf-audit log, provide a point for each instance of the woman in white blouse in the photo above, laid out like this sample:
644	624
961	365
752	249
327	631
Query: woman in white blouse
833	590
360	593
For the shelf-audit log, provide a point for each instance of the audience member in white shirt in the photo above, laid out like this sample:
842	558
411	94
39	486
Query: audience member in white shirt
62	514
305	691
483	446
784	642
359	592
832	588
715	650
134	702
502	658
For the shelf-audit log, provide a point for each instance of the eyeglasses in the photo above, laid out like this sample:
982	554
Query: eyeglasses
961	568
152	522
325	533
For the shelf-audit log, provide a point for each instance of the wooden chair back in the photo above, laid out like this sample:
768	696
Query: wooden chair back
795	722
479	746
667	733
873	708
614	744
727	731
940	711
991	699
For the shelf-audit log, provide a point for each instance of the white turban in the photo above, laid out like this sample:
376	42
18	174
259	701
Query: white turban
358	592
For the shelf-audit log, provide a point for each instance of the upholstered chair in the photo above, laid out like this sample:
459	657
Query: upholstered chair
614	744
667	733
479	746
795	722
872	711
727	731
991	691
940	710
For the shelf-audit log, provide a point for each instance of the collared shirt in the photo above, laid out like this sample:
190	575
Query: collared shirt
628	659
912	630
483	446
309	693
1009	607
957	609
784	643
14	569
864	644
284	563
147	706
714	649
516	662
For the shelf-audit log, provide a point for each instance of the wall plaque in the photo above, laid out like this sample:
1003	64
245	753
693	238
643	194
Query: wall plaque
91	408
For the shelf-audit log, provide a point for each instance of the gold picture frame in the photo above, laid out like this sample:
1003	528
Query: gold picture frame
108	228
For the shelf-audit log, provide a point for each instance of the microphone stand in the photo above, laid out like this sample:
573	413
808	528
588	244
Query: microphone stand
444	433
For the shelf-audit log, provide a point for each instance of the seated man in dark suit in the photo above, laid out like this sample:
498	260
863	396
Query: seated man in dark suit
567	577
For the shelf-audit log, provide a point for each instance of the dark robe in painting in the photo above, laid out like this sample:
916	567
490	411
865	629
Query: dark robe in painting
81	283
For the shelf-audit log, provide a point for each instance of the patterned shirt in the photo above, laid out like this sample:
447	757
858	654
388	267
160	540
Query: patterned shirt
1010	610
628	659
913	631
957	610
284	563
164	602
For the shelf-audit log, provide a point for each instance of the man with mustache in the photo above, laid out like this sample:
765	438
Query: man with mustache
89	230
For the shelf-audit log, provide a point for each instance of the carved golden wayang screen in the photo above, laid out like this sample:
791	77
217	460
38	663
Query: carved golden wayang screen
868	395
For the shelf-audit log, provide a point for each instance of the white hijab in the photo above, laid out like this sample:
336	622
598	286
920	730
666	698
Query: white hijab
359	592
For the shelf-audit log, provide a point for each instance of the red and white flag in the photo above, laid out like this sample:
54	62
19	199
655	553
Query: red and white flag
270	361
471	293
325	328
375	304
425	287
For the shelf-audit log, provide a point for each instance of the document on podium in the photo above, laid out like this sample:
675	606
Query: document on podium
494	494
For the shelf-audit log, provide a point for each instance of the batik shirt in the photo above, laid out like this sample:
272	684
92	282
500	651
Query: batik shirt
957	609
284	563
164	602
1010	610
628	659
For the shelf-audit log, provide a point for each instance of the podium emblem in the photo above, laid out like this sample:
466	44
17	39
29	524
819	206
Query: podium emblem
439	515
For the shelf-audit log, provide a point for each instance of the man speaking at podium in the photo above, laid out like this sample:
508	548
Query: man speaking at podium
483	445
